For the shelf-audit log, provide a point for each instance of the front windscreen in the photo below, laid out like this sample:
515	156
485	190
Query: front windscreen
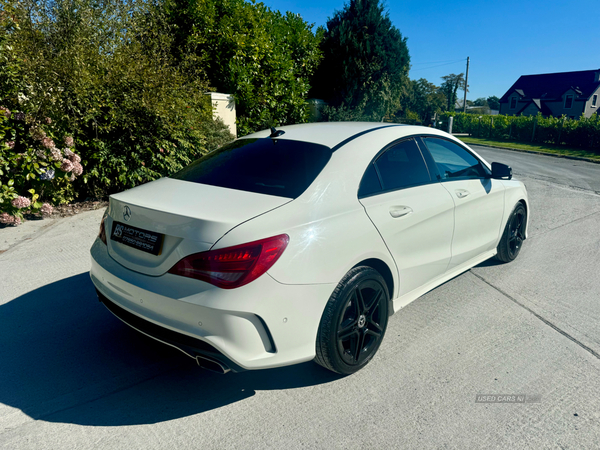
266	166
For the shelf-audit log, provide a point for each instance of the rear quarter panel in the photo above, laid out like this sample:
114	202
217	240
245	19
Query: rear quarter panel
329	229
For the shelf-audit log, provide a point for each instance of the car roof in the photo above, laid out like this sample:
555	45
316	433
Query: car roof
336	134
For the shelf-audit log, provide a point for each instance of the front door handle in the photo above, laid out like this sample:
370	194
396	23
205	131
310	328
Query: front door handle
400	211
462	193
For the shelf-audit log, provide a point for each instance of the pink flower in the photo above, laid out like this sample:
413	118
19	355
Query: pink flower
77	168
48	120
69	141
6	112
16	221
46	209
11	144
40	153
72	156
21	202
56	154
6	218
66	166
72	177
47	142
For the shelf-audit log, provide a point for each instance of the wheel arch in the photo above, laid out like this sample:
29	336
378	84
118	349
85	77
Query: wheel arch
525	204
385	271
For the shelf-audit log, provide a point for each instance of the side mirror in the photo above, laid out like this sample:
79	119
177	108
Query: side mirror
500	171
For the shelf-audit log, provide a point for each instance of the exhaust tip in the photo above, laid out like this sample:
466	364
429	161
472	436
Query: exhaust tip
212	365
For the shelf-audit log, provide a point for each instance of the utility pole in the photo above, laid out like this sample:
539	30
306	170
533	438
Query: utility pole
466	87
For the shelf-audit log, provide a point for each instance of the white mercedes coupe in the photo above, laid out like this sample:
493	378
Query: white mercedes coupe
297	244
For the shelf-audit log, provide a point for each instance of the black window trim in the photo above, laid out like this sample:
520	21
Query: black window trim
362	133
425	151
415	138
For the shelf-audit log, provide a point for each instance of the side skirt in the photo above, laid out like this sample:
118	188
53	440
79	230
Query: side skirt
411	296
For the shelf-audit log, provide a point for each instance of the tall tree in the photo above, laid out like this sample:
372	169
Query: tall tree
425	99
481	101
493	102
452	83
365	61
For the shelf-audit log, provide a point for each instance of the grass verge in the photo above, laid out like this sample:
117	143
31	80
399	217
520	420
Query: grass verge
548	149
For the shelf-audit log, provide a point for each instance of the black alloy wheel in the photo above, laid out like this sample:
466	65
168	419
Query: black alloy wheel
354	322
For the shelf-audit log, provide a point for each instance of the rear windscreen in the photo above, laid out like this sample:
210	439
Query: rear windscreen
266	166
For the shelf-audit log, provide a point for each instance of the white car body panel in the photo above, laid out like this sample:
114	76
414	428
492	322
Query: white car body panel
420	241
192	217
411	296
273	320
478	213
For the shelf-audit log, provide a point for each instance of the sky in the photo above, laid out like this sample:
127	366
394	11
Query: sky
503	38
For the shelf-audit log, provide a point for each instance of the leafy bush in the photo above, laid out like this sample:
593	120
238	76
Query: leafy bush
34	171
103	71
262	57
345	113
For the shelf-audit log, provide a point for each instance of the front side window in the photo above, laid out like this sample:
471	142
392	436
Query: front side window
402	166
280	167
594	100
513	102
568	101
454	162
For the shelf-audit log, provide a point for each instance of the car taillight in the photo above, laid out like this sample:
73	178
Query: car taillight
102	232
232	267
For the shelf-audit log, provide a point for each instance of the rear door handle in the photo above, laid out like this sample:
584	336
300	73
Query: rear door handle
462	193
400	211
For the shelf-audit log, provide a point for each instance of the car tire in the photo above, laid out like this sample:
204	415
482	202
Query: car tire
354	321
513	236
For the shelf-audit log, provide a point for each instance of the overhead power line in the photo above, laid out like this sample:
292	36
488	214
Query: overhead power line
439	65
439	62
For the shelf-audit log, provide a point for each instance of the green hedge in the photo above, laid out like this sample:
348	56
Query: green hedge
580	133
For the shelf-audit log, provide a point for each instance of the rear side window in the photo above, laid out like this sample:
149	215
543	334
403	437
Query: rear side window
370	183
402	166
278	167
452	161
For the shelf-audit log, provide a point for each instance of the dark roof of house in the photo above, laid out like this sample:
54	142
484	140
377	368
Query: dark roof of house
541	106
549	86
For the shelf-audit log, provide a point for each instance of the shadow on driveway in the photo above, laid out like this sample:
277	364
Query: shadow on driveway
65	358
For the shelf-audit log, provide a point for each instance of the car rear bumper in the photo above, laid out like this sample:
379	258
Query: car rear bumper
192	347
263	324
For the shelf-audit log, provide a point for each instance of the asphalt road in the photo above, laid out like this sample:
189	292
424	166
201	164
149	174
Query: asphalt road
562	171
73	377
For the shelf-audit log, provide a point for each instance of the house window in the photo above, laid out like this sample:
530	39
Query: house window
568	102
594	100
513	102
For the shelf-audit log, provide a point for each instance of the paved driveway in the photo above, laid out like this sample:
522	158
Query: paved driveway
73	377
